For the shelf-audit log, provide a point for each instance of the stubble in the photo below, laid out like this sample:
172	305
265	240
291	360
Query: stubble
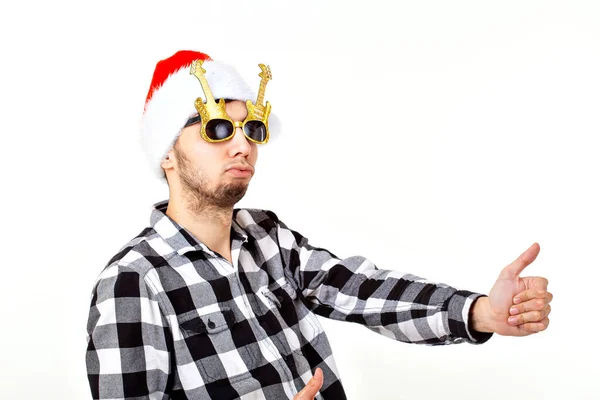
196	191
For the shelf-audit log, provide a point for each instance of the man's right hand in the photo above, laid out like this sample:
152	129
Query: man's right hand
310	390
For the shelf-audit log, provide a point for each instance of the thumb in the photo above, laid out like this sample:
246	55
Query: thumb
312	387
516	267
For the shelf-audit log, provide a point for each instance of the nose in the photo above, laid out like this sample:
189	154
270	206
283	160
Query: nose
239	143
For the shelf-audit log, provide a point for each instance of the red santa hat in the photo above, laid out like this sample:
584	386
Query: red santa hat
171	97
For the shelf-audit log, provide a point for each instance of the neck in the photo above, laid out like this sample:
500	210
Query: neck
209	224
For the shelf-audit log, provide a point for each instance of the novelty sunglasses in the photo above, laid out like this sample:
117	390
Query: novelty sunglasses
219	130
216	125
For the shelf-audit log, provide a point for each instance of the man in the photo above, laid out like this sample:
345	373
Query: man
216	302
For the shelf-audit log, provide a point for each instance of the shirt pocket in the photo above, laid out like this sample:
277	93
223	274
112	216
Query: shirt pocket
295	325
218	345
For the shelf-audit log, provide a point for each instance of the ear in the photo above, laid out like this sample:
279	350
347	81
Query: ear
168	161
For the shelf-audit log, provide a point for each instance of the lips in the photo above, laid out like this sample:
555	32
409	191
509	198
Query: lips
240	170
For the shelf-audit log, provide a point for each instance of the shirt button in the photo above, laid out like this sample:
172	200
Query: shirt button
211	324
279	298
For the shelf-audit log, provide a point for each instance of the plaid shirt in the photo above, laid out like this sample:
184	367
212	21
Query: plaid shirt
171	319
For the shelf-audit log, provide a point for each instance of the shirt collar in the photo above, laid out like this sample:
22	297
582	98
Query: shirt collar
180	239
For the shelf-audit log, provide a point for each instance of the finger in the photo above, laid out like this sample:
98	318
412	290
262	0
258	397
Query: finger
535	327
531	305
531	294
312	387
516	267
536	282
529	317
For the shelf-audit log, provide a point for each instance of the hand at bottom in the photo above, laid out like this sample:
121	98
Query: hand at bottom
312	388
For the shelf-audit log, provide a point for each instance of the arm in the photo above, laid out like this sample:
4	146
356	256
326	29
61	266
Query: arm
395	304
127	354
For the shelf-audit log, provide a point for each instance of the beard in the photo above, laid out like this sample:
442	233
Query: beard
196	191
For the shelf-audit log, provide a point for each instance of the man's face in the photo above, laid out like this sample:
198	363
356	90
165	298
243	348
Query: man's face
214	174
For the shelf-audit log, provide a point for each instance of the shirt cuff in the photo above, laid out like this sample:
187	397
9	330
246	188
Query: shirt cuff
459	306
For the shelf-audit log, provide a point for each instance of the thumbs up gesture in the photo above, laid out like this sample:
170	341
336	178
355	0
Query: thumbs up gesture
516	306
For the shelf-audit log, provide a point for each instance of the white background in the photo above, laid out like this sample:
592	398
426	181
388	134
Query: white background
438	138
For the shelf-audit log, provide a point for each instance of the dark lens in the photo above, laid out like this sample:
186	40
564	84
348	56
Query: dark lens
218	129
255	130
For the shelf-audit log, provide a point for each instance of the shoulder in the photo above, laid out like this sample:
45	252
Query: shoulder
260	223
125	272
254	218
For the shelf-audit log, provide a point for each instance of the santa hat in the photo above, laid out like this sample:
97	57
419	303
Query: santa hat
171	97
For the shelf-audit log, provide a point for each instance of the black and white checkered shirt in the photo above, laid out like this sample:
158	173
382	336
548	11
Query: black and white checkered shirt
171	319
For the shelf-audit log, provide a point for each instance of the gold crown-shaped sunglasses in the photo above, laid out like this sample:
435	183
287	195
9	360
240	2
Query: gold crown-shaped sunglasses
217	126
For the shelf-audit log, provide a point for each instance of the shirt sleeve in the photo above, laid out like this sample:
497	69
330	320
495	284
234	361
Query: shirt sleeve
395	304
127	355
